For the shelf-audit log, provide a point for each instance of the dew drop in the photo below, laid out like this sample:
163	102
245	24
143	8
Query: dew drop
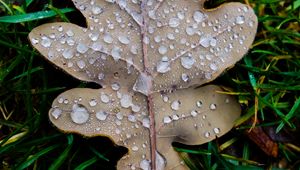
82	48
240	19
162	50
213	66
198	16
126	101
79	114
104	98
204	41
119	115
107	38
70	33
96	10
80	64
184	77
199	104
167	119
175	117
194	113
212	106
34	41
124	39
131	118
145	164
115	86
146	122
46	42
115	53
56	113
101	115
163	66
174	22
175	105
207	134
190	30
187	61
68	53
94	36
101	76
93	102
216	130
135	148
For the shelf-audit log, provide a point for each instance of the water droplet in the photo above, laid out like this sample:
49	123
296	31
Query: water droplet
93	102
199	104
115	53
107	38
180	15
119	115
101	76
165	98
184	77
124	39
131	118
175	105
213	66
104	98
162	50
68	53
160	161
190	30
135	108
135	148
240	19
145	164
167	119
207	134
146	122
46	42
142	84
82	48
216	130
163	66
204	41
212	106
134	49
56	113
213	42
97	46
101	115
70	33
80	64
115	86
79	114
198	16
194	113
175	117
151	14
96	10
251	23
170	36
157	38
187	61
126	101
174	22
34	41
94	36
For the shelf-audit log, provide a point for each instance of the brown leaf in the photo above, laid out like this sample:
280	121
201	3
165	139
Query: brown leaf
148	56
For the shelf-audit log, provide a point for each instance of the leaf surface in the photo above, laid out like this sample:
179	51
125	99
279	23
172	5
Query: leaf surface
148	56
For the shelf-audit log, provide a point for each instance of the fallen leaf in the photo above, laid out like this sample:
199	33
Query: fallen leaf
149	57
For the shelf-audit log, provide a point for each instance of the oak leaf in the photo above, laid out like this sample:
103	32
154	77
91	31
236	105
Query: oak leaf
149	56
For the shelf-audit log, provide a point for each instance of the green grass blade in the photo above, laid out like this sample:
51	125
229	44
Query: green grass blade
32	16
87	163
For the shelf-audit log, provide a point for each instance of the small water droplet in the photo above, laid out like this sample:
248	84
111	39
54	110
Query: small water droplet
116	53
104	98
165	98
101	76
70	33
212	106
240	19
81	64
94	36
146	122
107	38
157	38
174	22
213	66
82	48
93	102
135	108
175	105
194	113
135	148
131	118
216	130
115	86
167	119
187	61
163	66
79	114
207	134
190	30
34	41
101	115
204	41
68	53
199	104
198	16
180	15
170	36
175	117
119	115
184	77
96	10
56	113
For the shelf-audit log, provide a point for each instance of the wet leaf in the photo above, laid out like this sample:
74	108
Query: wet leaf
149	57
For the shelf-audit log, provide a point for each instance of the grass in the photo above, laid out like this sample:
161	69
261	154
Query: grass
266	82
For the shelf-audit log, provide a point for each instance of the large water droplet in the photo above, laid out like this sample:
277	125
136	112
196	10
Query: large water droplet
162	50
115	53
82	48
93	102
56	113
79	114
163	66
115	86
205	41
96	10
101	115
124	39
142	84
107	38
94	36
198	16
174	22
68	53
46	42
187	61
146	122
167	119
145	164
126	101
